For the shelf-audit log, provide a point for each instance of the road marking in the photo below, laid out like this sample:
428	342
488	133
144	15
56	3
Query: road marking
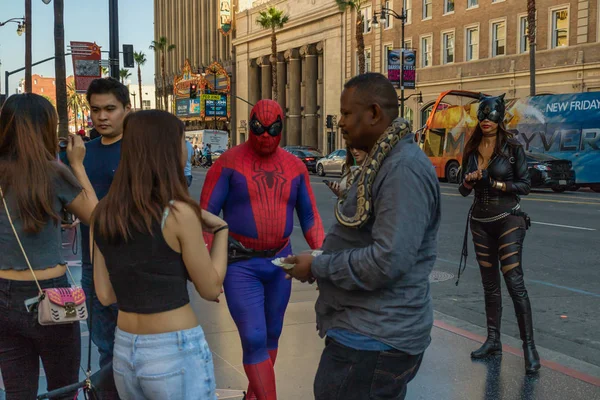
564	226
538	199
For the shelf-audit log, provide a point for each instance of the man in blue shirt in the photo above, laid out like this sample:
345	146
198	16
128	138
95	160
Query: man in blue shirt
188	164
109	104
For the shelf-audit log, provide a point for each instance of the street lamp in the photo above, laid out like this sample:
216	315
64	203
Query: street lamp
385	12
133	93
20	27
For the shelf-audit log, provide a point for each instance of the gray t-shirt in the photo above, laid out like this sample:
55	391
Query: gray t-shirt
43	248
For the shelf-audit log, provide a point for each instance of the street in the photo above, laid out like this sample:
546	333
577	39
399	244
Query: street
560	261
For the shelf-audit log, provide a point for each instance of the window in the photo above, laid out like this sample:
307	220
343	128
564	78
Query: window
447	47
426	54
427	9
408	4
560	28
523	34
387	22
448	6
472	37
472	3
408	44
386	48
42	90
498	39
35	81
367	15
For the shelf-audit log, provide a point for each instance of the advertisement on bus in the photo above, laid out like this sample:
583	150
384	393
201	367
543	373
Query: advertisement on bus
561	127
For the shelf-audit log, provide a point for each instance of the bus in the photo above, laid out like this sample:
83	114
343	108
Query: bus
561	126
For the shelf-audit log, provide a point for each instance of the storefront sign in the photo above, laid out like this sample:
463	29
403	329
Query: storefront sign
215	105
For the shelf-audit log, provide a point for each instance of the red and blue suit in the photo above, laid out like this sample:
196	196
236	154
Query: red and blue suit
258	185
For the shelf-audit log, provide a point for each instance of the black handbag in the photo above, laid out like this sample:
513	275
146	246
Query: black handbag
97	386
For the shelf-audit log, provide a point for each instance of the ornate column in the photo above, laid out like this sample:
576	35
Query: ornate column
266	77
311	133
281	81
253	81
320	99
294	127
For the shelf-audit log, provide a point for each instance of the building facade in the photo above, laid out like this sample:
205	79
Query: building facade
310	68
482	46
148	98
193	27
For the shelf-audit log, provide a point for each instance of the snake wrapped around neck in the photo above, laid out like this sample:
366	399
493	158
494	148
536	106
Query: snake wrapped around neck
364	191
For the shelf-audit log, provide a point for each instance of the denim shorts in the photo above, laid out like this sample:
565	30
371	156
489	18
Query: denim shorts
173	365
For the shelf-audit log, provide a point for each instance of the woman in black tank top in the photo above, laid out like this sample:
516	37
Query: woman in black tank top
148	242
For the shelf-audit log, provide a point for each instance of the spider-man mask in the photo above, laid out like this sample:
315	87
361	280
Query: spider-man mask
266	124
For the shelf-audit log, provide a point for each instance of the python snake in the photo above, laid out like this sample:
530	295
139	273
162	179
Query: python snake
364	192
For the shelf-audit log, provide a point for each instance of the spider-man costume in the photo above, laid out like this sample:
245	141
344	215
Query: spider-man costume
258	185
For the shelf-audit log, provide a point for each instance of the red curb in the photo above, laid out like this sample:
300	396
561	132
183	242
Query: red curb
592	380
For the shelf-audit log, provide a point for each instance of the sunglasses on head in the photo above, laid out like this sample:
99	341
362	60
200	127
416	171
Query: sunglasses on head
273	130
493	116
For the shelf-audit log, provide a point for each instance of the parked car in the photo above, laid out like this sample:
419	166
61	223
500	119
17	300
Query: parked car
298	147
547	171
333	163
308	157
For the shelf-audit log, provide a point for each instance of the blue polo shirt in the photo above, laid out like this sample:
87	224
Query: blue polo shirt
188	163
101	162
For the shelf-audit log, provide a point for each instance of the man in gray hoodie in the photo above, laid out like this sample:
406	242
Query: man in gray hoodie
374	301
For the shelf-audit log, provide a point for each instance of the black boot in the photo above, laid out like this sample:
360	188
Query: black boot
518	293
492	346
532	358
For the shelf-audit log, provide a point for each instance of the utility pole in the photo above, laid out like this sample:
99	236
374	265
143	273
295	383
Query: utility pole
531	28
28	83
113	11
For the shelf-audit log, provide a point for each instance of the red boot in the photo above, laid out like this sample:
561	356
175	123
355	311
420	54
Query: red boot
262	380
251	395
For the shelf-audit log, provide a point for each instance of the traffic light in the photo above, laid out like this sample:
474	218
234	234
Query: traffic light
193	90
329	122
128	56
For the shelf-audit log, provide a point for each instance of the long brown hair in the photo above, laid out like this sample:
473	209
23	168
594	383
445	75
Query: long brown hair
150	174
28	166
472	146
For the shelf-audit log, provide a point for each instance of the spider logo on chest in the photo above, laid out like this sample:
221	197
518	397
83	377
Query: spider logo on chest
270	181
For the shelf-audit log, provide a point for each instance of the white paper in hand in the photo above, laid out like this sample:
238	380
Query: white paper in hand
279	262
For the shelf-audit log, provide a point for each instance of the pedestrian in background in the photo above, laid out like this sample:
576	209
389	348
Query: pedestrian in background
374	301
354	161
37	190
496	168
188	163
147	233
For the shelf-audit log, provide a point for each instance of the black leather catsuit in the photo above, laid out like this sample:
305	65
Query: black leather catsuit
498	227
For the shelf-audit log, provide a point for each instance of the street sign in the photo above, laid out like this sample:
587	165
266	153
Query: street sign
86	64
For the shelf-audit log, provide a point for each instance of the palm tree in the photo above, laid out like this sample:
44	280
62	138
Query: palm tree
76	103
60	69
140	59
531	11
273	18
104	71
162	46
356	5
124	74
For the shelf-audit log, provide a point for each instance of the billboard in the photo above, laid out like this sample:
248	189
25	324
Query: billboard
215	105
394	61
86	64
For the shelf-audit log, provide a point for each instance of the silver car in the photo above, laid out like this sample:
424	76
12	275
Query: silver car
334	163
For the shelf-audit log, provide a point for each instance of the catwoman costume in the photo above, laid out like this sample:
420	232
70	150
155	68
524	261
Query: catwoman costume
498	227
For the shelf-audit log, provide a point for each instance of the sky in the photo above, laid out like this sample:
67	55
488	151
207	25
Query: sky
84	20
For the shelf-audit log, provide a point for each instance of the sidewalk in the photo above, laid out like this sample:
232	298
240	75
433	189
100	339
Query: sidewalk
447	371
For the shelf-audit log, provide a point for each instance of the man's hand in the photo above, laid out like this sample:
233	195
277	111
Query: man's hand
302	269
